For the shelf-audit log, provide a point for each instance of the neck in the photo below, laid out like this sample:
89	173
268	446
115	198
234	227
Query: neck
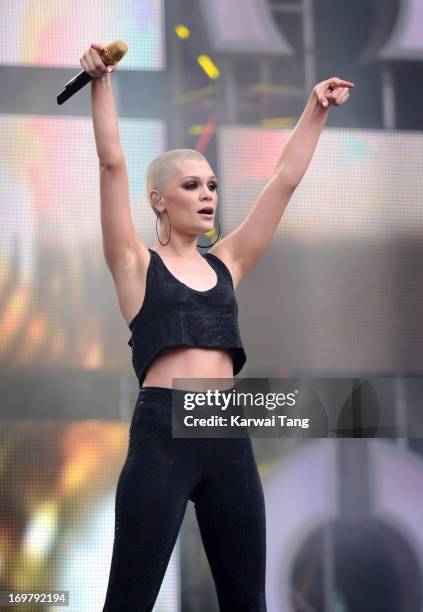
179	246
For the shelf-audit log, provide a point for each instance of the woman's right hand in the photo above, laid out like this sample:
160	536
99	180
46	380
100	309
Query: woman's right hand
92	63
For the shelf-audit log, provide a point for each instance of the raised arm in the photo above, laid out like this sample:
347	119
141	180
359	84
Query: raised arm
121	243
244	245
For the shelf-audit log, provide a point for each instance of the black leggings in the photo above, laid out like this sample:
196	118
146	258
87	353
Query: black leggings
158	478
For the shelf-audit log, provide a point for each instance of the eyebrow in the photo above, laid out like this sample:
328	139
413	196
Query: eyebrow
198	177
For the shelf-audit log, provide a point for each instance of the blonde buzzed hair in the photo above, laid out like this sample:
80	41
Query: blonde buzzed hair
161	169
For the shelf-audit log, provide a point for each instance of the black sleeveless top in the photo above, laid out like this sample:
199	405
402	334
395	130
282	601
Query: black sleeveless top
174	314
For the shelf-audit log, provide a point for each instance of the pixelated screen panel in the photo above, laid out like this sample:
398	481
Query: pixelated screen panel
55	33
340	287
361	184
57	511
58	297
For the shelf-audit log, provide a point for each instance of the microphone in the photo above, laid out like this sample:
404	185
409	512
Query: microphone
111	54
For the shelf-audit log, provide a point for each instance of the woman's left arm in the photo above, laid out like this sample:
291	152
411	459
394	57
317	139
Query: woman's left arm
244	245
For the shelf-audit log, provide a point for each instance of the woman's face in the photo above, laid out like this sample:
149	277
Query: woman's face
190	188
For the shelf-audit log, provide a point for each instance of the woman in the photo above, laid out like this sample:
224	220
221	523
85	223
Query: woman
182	311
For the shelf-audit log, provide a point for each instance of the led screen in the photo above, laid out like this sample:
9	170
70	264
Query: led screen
58	482
57	35
58	304
339	289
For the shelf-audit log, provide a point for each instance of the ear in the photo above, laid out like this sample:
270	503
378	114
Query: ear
156	199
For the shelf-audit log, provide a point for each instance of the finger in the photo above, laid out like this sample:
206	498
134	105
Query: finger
338	93
84	64
336	82
98	63
321	96
344	92
97	46
89	64
341	97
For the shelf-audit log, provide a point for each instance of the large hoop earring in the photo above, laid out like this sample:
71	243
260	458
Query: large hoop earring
205	246
157	231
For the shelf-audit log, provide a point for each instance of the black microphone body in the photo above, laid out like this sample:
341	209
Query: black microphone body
111	54
74	85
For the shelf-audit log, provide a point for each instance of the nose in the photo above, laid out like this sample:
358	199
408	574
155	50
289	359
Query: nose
207	195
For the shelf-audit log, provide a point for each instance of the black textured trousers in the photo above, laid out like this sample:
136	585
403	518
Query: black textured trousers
159	476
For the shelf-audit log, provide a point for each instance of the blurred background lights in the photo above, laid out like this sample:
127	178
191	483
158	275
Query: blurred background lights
182	31
208	66
41	530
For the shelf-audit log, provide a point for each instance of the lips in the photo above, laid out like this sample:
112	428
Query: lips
208	210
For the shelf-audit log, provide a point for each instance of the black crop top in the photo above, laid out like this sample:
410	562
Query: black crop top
174	314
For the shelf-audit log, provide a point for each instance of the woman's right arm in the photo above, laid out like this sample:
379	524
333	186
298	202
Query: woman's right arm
122	246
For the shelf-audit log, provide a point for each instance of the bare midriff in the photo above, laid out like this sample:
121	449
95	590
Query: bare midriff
190	362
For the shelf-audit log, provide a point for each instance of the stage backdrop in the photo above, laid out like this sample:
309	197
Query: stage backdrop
53	33
340	290
337	292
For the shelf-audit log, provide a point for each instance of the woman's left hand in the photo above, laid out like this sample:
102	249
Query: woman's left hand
333	92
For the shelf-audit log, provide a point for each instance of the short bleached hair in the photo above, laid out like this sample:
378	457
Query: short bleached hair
162	168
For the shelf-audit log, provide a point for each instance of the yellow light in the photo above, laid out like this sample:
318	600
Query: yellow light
275	122
182	31
196	94
208	66
213	234
196	130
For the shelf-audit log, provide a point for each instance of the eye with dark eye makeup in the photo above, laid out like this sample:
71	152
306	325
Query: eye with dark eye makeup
193	185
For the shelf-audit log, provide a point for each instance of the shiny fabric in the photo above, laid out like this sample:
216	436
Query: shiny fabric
174	314
160	475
